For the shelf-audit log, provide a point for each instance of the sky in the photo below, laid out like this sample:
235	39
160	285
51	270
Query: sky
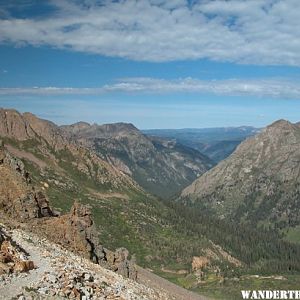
153	63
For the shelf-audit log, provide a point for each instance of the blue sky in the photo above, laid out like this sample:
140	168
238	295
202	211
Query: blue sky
154	63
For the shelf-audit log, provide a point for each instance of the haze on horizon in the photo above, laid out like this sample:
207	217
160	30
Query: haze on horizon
153	63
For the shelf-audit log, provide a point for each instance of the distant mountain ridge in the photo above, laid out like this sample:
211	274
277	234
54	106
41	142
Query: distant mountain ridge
162	167
259	183
216	143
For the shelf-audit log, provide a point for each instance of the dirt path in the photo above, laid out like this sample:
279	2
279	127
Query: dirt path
15	287
175	291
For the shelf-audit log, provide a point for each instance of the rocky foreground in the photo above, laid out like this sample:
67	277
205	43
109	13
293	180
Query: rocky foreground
60	274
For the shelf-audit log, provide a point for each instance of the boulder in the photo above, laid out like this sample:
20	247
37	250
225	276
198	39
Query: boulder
4	268
12	258
23	266
119	262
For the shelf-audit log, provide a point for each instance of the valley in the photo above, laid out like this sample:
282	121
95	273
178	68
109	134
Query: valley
216	143
149	149
202	239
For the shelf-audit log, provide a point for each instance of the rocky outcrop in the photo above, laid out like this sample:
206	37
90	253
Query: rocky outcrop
120	263
18	198
32	205
83	233
76	232
14	163
199	262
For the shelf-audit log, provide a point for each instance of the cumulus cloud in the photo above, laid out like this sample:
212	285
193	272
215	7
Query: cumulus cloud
272	88
251	32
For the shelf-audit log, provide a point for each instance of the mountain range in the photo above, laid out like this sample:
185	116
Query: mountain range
95	189
162	167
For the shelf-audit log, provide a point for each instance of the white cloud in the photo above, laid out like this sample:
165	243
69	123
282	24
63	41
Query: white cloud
265	88
50	91
263	32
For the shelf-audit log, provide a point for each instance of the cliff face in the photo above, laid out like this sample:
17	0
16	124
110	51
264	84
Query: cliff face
259	182
27	126
18	198
14	125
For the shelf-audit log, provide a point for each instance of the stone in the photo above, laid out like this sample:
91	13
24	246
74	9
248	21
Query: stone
120	263
4	269
199	262
88	277
52	278
23	266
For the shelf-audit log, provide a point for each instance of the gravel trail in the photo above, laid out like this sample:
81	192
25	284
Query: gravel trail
15	285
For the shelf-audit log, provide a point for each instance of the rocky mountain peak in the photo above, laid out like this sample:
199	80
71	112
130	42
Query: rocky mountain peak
27	126
13	125
280	126
76	127
86	129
